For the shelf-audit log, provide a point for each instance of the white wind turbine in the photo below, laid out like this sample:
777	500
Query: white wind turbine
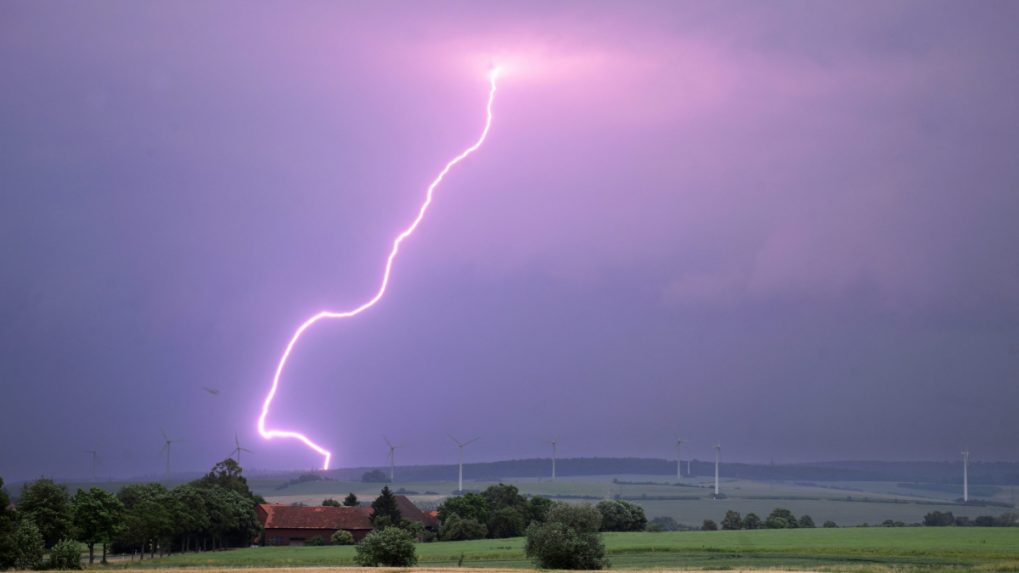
555	454
965	476
166	448
718	455
93	454
392	459
238	449
679	460
461	445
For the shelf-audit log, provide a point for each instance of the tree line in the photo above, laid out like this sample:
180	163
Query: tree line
212	512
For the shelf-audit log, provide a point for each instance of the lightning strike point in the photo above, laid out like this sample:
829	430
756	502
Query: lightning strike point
268	433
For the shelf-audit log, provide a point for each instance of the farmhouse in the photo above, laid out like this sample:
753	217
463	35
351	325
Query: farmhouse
289	525
296	525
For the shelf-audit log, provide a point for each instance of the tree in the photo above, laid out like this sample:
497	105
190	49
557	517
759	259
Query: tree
781	518
806	522
8	550
569	539
732	520
537	508
98	516
228	475
939	519
65	555
384	509
457	528
146	518
467	506
330	502
351	500
506	522
830	524
29	545
618	515
502	495
389	547
374	476
751	521
342	537
49	507
709	525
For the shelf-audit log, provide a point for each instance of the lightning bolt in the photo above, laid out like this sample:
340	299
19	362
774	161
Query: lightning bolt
268	433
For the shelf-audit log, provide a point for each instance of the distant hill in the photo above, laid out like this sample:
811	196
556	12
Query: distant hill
991	473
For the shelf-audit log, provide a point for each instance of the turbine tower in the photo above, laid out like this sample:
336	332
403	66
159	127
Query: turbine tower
238	449
718	455
460	445
167	442
679	462
555	454
965	476
93	454
392	458
689	471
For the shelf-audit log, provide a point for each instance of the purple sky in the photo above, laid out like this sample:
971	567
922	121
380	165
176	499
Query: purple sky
788	226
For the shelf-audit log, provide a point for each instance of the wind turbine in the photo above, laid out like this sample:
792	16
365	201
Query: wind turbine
166	448
460	445
93	454
555	453
238	449
392	458
965	476
679	461
718	455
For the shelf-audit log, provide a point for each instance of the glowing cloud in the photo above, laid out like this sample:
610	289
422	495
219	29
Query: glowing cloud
268	433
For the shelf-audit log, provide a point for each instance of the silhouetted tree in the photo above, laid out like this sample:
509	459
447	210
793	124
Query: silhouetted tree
350	500
330	502
732	520
49	507
384	510
751	521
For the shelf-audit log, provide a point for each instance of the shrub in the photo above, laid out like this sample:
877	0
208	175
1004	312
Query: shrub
389	547
830	524
781	518
663	523
457	528
342	537
316	541
709	525
29	546
806	522
65	555
555	545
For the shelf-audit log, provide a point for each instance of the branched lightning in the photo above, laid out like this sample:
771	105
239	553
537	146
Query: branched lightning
272	433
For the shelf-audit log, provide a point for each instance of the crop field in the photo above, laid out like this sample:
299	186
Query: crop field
926	549
689	502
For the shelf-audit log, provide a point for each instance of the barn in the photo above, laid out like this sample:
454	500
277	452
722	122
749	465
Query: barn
297	525
290	525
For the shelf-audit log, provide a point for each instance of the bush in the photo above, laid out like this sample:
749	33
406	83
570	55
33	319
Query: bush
316	541
830	524
709	525
663	523
457	528
569	539
65	555
781	518
806	522
29	546
555	545
389	547
342	537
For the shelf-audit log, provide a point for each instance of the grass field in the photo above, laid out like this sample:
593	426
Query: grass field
878	549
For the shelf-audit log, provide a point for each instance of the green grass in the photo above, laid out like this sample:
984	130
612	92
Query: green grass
877	549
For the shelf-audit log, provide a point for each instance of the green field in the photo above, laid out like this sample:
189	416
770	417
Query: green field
926	549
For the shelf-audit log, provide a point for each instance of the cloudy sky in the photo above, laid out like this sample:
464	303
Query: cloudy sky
790	227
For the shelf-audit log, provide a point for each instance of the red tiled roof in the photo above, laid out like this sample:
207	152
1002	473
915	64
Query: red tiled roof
318	517
410	512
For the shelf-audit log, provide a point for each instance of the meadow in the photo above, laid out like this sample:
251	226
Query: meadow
857	549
